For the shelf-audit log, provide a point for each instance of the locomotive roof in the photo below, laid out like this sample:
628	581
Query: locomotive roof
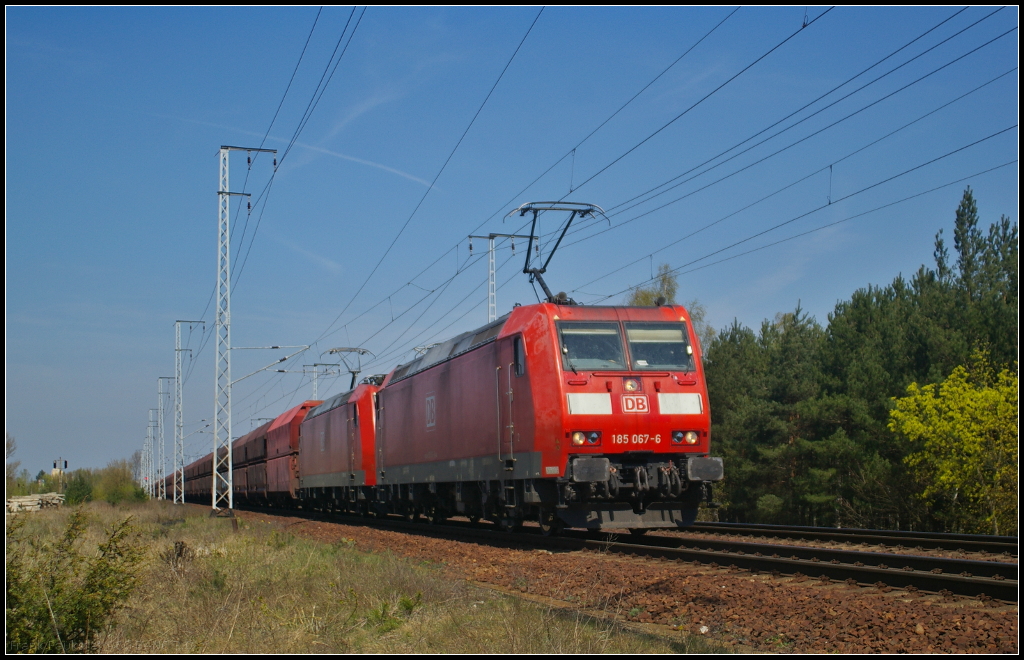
330	404
454	346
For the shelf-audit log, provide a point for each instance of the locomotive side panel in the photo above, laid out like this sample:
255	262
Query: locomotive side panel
317	439
442	424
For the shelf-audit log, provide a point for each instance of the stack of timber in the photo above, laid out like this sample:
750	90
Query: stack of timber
34	502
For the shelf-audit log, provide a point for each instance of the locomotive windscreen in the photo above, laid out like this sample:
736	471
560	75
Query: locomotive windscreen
659	346
591	346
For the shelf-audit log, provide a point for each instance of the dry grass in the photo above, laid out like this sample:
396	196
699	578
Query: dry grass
262	590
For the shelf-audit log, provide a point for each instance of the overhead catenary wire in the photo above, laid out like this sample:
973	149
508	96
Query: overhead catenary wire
786	187
819	111
702	99
436	177
933	28
328	331
241	240
679	270
552	166
777	152
318	94
262	142
442	292
803	107
594	131
850	195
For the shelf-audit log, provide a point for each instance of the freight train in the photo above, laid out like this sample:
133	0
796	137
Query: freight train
567	415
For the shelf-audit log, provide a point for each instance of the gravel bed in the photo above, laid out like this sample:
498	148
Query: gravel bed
734	608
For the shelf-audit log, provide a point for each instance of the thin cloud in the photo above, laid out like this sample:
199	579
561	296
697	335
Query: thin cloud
323	262
327	152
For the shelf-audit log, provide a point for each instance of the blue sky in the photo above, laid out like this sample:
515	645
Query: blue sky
115	116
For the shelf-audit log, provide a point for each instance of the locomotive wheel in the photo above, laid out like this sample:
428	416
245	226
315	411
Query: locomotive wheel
638	531
511	525
411	516
550	524
435	516
474	520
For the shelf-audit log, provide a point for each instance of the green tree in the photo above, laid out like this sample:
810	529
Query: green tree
79	488
964	434
11	467
115	484
665	285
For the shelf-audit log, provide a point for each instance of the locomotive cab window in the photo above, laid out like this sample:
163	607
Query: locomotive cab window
590	346
519	352
659	346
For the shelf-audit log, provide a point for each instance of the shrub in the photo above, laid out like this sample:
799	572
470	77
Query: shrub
58	597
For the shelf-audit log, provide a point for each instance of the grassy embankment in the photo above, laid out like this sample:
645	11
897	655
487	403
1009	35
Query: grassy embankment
205	589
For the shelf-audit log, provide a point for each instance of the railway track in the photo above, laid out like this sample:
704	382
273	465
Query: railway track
983	579
933	574
976	543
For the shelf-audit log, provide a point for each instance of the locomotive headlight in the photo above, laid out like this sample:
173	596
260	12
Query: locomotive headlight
677	437
691	437
631	385
594	437
578	438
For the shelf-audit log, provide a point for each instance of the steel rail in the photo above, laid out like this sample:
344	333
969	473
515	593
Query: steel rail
1005	590
894	538
884	560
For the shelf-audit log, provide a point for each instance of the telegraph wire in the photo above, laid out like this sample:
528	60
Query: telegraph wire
436	177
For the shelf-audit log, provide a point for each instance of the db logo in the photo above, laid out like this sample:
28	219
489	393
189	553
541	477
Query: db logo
635	403
431	412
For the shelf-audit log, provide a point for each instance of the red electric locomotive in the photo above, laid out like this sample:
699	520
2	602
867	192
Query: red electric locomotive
592	417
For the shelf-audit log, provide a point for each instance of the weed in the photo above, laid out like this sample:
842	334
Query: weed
219	581
407	604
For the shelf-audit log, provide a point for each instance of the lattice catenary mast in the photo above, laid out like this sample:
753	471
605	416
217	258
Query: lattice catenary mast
179	437
223	487
492	291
